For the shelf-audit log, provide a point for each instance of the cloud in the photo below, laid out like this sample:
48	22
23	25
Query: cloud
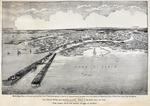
43	13
127	19
27	22
104	9
134	8
82	6
69	19
107	9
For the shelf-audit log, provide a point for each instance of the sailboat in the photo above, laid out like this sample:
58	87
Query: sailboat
94	52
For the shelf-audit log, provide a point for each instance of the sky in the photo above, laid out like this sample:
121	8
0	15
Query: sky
73	14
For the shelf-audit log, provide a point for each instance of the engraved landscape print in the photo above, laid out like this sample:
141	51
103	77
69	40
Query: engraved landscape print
75	47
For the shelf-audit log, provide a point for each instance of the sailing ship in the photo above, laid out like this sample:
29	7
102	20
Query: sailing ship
94	52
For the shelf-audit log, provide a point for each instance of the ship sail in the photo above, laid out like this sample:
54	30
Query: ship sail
94	52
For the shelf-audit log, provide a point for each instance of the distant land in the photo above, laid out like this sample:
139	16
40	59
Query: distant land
113	28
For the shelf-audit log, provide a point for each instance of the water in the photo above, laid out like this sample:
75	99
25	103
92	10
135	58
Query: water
107	72
96	51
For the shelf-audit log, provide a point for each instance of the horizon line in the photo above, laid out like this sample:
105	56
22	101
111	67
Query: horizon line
134	27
